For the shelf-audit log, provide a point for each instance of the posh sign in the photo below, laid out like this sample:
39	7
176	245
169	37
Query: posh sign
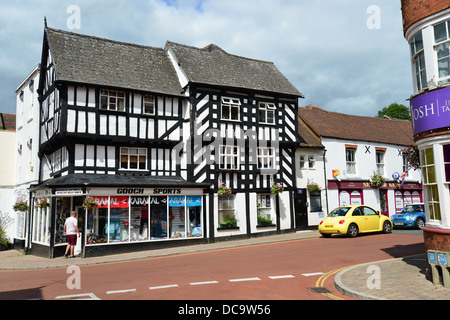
431	110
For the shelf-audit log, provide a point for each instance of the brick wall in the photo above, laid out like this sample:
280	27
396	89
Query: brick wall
437	239
415	10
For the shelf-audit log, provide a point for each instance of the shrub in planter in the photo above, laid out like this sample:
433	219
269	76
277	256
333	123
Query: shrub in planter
3	240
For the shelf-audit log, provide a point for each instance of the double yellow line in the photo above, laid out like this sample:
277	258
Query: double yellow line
321	281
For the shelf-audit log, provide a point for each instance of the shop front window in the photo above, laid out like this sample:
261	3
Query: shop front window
120	219
139	219
194	208
430	183
158	217
62	213
177	217
41	224
447	162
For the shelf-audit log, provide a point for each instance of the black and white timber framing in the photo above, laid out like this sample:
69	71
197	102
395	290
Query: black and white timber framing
168	103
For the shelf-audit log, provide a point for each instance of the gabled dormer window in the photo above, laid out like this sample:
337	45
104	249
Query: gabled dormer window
112	100
231	109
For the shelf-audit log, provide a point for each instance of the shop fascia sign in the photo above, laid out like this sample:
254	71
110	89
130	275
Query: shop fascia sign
142	192
431	110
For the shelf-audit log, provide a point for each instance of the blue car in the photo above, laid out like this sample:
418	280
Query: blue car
413	215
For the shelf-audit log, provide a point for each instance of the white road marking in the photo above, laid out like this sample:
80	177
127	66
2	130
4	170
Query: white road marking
246	279
164	287
90	295
312	274
121	291
282	277
203	283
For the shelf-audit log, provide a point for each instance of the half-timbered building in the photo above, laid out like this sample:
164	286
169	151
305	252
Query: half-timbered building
142	142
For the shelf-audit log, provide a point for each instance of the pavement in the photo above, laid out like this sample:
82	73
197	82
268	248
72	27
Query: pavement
394	279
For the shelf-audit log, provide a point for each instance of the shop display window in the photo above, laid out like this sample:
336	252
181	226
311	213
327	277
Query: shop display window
139	223
177	218
158	218
63	206
41	225
119	219
429	183
194	224
447	162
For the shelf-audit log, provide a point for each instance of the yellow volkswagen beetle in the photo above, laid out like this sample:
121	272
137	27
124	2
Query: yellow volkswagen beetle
353	220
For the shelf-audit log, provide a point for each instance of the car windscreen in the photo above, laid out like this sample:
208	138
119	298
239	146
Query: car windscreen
339	212
413	208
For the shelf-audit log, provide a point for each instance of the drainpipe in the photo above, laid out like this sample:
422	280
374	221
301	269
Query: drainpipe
325	175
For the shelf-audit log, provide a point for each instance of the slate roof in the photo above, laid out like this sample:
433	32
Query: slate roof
350	127
214	66
91	60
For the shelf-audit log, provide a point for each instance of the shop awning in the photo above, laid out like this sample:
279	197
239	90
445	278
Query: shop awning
111	181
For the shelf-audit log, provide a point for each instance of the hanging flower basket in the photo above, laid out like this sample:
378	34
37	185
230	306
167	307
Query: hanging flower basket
377	181
224	191
276	188
413	157
21	206
312	186
43	204
89	203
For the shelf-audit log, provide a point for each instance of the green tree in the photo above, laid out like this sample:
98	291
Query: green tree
396	111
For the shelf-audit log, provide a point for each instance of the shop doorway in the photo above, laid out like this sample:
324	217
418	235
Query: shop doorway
384	207
79	248
301	209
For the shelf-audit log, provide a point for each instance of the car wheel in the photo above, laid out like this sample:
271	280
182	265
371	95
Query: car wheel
420	223
387	227
352	230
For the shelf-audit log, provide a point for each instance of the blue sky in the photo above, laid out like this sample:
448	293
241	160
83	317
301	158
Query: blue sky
325	47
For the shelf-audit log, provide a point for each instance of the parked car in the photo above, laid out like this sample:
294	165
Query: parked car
353	220
413	215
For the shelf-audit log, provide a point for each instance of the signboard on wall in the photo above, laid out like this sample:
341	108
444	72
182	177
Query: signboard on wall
431	110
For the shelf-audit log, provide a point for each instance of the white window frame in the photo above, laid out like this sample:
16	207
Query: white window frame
302	162
230	103
430	187
261	204
266	158
307	159
226	207
446	41
141	153
149	101
350	163
266	108
115	100
379	156
418	56
229	157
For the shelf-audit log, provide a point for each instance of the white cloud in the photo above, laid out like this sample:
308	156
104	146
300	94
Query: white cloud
323	47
